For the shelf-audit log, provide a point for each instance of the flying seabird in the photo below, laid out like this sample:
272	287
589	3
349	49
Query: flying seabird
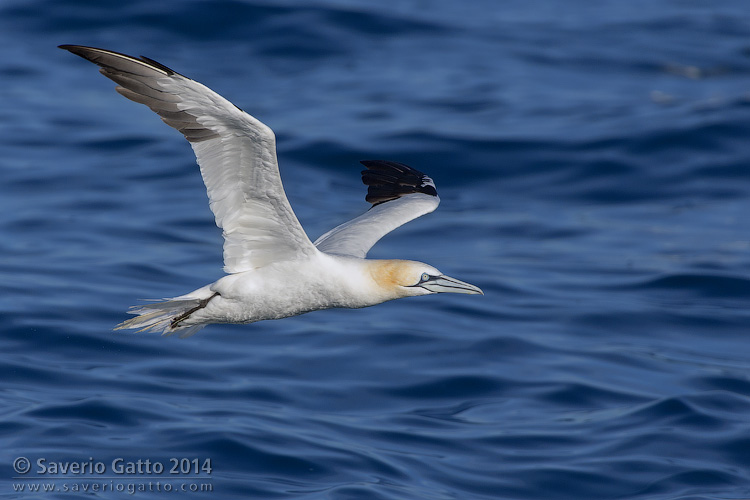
273	269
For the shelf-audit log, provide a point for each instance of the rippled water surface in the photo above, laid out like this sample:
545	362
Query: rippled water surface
594	168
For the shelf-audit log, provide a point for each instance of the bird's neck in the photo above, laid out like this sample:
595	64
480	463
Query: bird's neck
388	275
368	282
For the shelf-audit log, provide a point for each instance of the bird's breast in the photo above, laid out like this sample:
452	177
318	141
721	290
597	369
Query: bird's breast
288	289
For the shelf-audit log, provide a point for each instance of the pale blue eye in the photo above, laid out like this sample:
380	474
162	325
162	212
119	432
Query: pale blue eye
425	276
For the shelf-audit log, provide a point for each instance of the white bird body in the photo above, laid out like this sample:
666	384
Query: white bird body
274	270
321	282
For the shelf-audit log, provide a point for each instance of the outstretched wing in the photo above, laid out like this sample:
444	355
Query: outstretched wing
236	154
398	194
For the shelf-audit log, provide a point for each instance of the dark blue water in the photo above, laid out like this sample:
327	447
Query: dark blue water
594	165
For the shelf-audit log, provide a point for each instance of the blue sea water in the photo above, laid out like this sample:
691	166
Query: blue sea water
594	167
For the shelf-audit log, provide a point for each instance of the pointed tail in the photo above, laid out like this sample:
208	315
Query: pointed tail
167	317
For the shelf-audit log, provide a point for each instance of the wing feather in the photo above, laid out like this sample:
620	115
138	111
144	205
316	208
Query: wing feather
236	154
398	194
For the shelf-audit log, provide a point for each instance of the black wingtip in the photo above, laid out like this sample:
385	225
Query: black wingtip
159	65
389	180
71	48
89	54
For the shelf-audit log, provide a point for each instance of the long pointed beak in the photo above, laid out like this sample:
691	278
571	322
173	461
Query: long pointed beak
446	284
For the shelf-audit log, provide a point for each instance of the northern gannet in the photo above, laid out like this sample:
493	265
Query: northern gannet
273	269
